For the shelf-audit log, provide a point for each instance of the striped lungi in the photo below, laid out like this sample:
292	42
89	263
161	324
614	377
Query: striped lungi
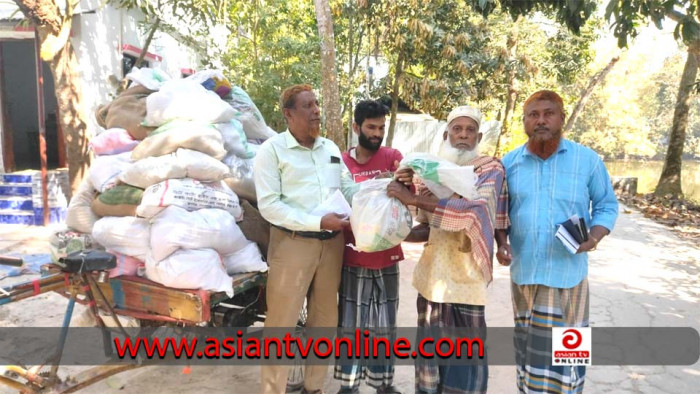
433	378
369	298
536	307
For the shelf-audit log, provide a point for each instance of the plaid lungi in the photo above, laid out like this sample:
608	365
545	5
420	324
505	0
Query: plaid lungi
536	307
369	298
433	378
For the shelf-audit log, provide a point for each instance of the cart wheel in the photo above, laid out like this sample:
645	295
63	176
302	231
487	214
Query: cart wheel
295	379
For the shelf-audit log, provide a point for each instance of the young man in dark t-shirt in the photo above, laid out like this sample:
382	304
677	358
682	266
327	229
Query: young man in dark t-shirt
369	288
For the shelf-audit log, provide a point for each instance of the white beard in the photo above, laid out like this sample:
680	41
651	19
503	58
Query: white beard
461	157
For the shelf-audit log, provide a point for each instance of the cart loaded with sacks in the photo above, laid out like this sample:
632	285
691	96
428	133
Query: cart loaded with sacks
83	278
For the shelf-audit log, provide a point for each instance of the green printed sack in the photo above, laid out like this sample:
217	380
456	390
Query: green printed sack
442	177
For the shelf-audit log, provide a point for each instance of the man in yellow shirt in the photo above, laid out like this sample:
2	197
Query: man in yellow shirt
456	264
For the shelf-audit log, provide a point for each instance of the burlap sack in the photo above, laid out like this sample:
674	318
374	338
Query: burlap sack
127	112
102	209
255	227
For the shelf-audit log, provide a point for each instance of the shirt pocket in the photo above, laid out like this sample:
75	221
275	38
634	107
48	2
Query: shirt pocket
331	176
572	189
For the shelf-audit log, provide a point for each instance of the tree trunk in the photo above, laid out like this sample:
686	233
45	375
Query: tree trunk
53	27
670	180
329	80
394	100
508	113
69	97
512	94
595	80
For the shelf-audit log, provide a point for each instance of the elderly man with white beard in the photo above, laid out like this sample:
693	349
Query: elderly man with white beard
456	265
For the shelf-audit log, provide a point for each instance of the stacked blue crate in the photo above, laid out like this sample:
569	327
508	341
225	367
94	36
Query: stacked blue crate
16	205
20	197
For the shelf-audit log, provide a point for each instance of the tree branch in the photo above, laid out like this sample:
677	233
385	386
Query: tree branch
676	15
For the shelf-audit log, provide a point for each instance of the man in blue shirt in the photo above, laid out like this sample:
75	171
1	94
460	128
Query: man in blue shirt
549	180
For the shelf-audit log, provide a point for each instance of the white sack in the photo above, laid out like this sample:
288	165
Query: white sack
247	259
379	222
249	115
150	78
197	136
235	140
126	235
189	194
191	269
80	216
176	228
185	99
442	177
105	170
185	163
241	180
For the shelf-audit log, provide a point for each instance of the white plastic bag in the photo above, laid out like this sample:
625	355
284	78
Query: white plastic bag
241	180
151	78
193	135
105	170
235	140
247	259
249	115
189	194
191	269
379	222
80	216
176	228
126	235
441	176
185	99
185	163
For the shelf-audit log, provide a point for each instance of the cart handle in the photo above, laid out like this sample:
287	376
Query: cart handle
11	261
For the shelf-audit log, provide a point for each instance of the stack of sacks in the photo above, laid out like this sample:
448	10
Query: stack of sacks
158	184
104	209
194	240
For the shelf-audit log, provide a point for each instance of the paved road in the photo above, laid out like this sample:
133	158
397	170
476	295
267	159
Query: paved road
643	275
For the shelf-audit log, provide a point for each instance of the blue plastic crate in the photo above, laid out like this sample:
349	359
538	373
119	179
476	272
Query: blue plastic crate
56	215
16	178
16	218
17	204
12	190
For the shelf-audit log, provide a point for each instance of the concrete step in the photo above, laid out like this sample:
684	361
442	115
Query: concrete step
16	203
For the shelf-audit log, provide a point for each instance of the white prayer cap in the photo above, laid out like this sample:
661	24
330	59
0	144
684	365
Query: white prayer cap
465	110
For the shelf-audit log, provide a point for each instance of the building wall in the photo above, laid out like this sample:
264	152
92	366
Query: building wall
98	33
98	38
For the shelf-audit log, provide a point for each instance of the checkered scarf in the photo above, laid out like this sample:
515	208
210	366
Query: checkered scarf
478	218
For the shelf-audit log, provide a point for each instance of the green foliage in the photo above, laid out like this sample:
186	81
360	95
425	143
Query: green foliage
630	115
573	14
274	44
630	15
